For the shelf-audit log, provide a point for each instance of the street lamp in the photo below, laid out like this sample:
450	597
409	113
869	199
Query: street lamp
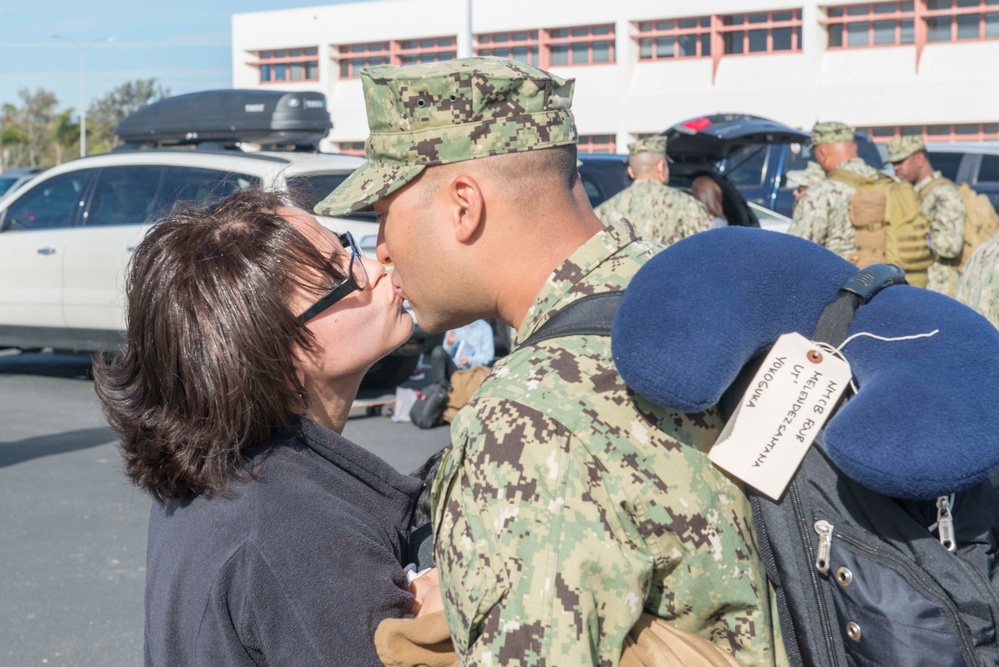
83	83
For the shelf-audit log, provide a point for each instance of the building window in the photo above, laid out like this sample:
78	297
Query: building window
582	45
426	50
523	45
596	143
937	133
761	32
876	24
956	20
283	65
674	38
355	57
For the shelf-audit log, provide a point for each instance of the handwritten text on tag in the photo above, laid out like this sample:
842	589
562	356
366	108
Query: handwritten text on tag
780	414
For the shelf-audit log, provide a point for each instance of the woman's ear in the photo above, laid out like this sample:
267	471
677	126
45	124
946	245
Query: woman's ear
468	207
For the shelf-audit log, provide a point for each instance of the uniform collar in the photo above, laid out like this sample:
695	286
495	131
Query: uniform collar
564	283
921	185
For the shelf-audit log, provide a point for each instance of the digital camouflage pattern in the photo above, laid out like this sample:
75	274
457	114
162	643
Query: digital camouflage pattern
654	144
439	113
831	132
943	206
809	176
900	148
820	215
979	283
660	213
567	504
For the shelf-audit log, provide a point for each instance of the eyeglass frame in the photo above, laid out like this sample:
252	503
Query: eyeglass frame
348	286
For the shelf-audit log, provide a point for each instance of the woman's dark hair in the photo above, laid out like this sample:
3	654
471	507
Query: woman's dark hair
207	370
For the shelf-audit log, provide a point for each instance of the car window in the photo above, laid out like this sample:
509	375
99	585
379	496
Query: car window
988	172
6	184
124	195
746	166
50	204
200	186
592	191
946	163
309	190
868	152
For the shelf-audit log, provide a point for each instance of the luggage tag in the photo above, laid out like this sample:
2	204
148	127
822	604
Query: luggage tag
786	405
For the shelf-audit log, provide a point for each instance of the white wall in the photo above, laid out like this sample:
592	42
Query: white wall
878	86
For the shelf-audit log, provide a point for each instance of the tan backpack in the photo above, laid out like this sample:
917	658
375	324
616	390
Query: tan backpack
889	225
980	223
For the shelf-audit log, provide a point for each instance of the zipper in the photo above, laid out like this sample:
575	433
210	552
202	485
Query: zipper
945	524
825	531
925	586
827	630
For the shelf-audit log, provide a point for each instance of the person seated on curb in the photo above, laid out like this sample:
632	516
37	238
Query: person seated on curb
464	347
272	538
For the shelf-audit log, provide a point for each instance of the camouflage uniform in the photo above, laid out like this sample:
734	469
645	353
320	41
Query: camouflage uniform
571	505
944	207
979	283
567	505
659	213
820	215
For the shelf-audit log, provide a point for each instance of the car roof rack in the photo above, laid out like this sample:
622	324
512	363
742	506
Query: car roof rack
217	119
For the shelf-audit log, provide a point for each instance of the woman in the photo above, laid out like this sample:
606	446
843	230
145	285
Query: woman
272	539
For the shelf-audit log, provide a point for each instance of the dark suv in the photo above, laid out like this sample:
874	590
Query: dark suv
974	164
753	153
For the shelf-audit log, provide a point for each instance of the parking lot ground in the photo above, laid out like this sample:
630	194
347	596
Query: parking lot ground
73	530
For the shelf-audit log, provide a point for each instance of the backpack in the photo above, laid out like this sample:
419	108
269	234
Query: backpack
860	578
889	225
428	410
980	223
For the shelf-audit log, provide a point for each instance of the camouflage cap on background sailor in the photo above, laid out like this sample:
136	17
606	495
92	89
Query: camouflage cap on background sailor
439	113
831	132
900	148
654	144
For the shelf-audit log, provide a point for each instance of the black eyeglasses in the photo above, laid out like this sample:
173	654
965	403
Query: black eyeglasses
356	280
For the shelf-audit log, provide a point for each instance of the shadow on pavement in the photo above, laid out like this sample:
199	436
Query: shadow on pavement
12	453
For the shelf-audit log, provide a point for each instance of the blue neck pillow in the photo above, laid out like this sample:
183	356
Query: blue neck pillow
922	423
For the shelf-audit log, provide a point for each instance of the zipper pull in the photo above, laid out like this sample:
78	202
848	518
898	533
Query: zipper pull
824	529
945	524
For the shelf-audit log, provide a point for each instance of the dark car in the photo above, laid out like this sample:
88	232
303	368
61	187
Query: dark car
753	153
974	164
15	177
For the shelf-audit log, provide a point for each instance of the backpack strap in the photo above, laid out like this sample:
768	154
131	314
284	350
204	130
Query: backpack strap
858	290
590	315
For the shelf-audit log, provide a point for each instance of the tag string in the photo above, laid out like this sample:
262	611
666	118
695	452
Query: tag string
838	351
886	340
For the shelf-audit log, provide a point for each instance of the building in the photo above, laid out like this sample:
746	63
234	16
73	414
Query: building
643	65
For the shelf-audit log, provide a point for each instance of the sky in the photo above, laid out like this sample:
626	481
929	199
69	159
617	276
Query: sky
184	44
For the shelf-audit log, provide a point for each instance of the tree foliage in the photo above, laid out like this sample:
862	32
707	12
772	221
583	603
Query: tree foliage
107	111
35	133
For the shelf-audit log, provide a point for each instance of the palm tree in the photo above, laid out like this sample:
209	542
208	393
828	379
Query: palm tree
65	134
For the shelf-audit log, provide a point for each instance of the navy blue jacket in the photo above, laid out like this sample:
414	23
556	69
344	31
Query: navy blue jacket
296	566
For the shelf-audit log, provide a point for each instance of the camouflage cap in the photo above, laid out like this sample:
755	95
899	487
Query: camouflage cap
900	148
831	132
807	177
451	111
653	144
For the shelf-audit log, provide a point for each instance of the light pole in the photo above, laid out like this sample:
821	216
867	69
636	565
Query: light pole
83	84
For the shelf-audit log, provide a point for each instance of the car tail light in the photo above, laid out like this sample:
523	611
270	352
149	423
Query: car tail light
697	124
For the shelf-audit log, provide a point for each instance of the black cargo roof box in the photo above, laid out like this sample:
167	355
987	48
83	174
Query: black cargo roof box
229	116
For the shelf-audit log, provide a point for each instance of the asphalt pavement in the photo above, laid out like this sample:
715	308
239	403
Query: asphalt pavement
73	530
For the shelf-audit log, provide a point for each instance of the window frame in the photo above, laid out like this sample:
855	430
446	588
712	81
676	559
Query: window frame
570	41
898	16
273	61
587	143
699	32
931	132
486	44
394	55
795	24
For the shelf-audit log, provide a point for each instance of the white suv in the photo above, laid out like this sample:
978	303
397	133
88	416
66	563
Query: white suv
65	238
